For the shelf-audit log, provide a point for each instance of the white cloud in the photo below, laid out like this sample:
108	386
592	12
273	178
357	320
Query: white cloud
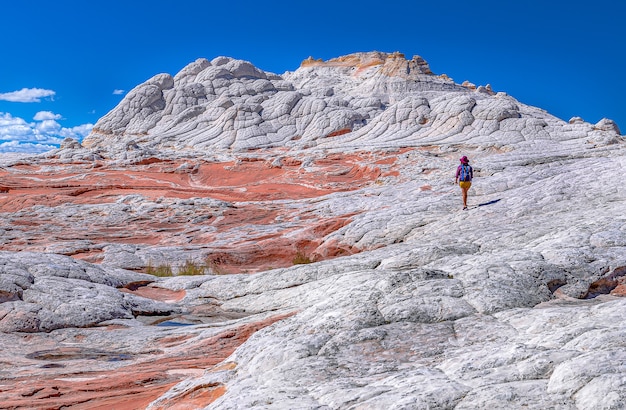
44	134
14	128
118	92
46	115
27	95
47	127
28	147
78	133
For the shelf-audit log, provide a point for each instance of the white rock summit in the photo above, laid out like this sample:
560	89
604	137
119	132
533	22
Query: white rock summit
367	99
409	302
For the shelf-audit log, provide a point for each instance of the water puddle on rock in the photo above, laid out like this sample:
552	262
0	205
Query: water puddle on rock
172	323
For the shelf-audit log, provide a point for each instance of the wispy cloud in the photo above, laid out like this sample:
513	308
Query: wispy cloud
24	147
118	92
27	95
40	135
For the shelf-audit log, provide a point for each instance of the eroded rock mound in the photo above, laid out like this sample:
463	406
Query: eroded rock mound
45	292
372	99
333	265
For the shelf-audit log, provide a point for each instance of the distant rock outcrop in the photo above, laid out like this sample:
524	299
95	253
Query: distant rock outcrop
231	238
374	99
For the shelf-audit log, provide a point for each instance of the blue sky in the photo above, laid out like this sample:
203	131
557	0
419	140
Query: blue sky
66	63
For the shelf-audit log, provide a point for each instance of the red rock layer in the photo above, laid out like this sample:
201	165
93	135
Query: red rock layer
249	180
133	386
252	185
155	293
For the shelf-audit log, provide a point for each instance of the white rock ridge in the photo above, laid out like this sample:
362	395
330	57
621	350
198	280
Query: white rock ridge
372	99
516	303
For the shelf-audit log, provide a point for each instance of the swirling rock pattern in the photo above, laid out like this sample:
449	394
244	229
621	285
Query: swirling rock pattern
339	269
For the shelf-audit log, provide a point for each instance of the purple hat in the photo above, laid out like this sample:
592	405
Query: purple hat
464	159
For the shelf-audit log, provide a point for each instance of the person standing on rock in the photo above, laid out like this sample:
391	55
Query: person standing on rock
464	175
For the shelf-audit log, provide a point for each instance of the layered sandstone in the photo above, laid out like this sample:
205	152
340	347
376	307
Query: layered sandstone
339	269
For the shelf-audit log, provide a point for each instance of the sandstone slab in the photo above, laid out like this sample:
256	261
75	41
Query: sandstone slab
338	270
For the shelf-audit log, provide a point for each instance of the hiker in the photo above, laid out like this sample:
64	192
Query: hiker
464	175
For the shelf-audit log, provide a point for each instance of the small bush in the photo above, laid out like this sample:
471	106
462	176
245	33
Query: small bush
301	259
190	268
160	271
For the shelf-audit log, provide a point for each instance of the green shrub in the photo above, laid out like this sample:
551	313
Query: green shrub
190	268
160	271
301	259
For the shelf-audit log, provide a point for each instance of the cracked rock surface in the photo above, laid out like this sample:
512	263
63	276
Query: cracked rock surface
336	267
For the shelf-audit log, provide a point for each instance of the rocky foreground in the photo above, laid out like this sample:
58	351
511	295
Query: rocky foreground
319	253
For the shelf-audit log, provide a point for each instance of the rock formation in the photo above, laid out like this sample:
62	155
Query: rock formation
333	266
